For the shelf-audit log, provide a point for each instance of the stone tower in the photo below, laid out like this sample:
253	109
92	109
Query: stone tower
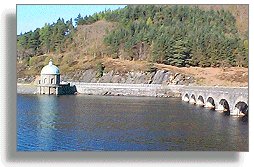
50	80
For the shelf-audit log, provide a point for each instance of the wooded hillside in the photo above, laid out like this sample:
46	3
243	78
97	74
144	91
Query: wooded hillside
178	35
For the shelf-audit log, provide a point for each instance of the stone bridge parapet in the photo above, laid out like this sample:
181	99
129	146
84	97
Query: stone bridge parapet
230	99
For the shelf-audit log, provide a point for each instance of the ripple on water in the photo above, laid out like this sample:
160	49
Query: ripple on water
93	123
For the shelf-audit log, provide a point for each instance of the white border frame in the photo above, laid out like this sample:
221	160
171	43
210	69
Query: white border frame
8	106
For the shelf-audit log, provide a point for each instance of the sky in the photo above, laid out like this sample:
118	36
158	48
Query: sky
30	17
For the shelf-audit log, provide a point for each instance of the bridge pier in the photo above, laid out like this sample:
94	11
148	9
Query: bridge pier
185	98
192	99
209	105
220	108
200	102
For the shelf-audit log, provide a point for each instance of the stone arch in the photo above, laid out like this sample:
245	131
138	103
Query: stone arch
200	101
52	80
210	103
45	80
241	108
224	106
192	99
186	97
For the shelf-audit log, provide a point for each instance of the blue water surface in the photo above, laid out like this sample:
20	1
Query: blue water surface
106	123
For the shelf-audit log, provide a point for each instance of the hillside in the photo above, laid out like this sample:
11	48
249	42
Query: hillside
240	12
83	58
85	51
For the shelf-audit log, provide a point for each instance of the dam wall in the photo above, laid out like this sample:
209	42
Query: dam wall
26	89
118	89
114	89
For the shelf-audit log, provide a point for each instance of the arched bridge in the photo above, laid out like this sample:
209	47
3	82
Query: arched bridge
232	101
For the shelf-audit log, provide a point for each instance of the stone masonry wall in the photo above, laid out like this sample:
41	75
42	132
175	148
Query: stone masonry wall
116	89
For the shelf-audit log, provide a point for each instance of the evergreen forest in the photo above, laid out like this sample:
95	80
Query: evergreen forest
177	35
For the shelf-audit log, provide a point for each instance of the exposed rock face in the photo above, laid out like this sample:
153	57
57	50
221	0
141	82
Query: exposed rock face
88	75
106	78
27	79
133	77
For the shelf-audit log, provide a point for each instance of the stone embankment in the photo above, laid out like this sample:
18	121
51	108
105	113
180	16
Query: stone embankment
26	89
118	89
115	89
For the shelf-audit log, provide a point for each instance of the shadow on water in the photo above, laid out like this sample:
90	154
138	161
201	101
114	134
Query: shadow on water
245	118
13	156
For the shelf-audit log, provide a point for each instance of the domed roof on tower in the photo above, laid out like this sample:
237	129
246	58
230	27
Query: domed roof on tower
50	69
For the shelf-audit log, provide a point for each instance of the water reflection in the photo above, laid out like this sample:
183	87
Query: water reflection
47	111
81	123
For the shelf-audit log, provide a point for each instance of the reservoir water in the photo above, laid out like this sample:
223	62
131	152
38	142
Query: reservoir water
107	123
